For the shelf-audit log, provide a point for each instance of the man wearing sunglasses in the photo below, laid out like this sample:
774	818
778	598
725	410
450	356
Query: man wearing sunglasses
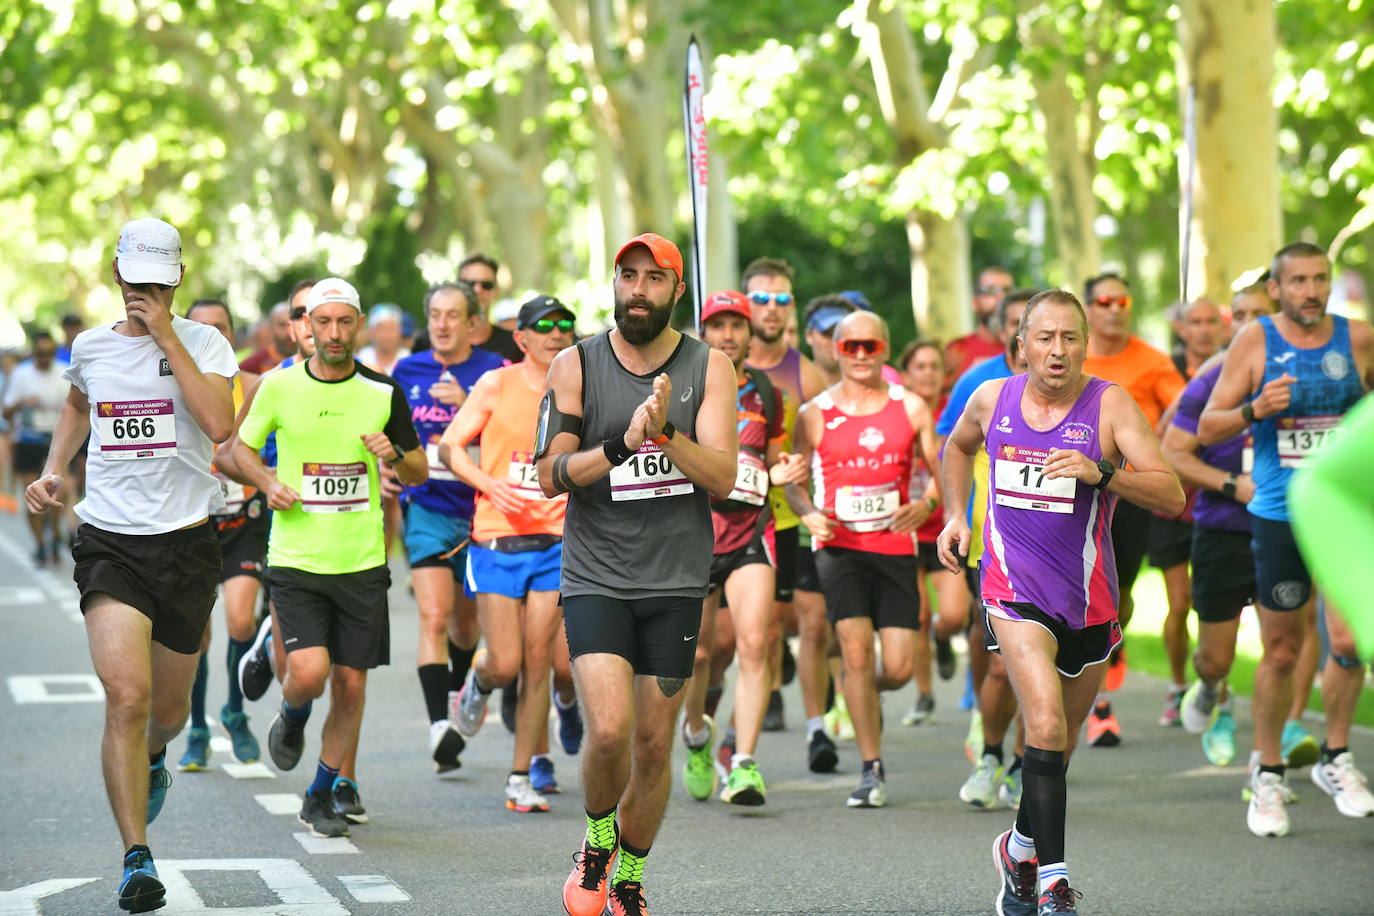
516	554
1149	376
991	284
862	436
479	270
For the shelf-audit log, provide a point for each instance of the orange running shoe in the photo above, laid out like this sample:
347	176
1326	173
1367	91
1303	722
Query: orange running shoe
627	899
1116	670
585	891
1103	729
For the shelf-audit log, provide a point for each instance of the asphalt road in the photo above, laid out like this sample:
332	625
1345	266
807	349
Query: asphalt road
1153	829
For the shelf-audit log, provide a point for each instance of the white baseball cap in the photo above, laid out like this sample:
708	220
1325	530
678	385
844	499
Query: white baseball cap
332	289
149	251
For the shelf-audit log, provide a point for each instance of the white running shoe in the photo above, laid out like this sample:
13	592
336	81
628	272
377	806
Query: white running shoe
1199	708
1345	784
980	789
445	744
1268	814
520	795
471	709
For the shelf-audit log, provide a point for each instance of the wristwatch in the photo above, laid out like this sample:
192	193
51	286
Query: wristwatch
1107	469
668	430
400	453
1229	487
1247	413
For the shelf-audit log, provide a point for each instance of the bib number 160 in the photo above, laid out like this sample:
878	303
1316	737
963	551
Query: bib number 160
650	464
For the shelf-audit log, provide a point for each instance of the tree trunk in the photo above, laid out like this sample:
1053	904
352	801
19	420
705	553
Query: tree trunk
939	274
1073	208
1228	49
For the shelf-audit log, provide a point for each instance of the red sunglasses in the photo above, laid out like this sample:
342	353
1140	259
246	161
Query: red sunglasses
859	347
1106	302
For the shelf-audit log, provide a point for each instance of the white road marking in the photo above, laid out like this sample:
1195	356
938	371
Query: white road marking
23	901
300	894
37	688
248	770
325	846
19	594
373	889
221	745
281	803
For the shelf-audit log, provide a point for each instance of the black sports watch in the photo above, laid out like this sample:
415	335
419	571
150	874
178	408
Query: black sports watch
1247	413
400	453
1229	486
668	431
1107	469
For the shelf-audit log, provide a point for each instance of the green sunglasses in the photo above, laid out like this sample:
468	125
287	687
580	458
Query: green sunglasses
545	325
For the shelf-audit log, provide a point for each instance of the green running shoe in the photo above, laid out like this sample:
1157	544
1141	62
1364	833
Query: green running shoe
1219	741
699	772
1297	745
246	749
745	786
197	754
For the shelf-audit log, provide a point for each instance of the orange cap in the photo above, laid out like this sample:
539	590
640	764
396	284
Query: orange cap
664	252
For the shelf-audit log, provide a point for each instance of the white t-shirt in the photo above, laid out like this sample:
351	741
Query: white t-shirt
368	357
148	466
48	387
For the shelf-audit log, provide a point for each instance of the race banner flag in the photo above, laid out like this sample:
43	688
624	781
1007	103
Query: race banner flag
698	172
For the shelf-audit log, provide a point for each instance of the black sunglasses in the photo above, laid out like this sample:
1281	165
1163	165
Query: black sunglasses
482	284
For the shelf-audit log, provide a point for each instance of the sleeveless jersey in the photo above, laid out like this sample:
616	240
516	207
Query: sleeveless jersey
737	518
1048	542
786	378
1327	386
644	530
862	473
507	453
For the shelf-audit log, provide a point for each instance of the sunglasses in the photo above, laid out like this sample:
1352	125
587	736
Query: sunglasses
487	285
993	290
859	347
545	325
780	299
1106	302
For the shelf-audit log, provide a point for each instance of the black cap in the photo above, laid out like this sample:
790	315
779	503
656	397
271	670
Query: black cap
538	307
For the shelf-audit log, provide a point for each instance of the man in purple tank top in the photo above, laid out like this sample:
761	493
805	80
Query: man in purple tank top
1057	441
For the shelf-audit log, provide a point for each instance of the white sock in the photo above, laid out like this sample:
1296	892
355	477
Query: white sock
1178	688
538	757
739	760
1052	874
1021	848
813	725
561	705
696	739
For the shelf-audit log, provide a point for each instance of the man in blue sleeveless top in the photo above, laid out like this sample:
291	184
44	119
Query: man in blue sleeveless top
1290	377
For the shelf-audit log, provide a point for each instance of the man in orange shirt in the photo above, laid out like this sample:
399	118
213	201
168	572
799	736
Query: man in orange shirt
1150	377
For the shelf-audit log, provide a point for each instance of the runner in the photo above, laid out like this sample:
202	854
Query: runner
1223	566
480	271
516	552
385	346
242	533
990	286
33	401
153	393
1057	441
654	414
741	566
335	421
1291	377
860	438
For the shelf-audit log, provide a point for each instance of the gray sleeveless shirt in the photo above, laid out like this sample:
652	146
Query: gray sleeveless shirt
644	530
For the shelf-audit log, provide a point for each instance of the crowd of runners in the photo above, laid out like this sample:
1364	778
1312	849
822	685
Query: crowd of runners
614	526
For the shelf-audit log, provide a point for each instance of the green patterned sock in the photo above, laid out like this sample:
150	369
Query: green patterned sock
601	830
630	865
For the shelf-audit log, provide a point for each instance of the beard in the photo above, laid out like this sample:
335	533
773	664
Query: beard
1296	315
767	338
640	329
343	359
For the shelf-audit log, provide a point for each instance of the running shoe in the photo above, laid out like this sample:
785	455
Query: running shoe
699	775
586	890
745	786
973	741
724	754
1346	785
789	664
872	790
1267	814
821	756
318	813
445	745
627	899
286	741
159	781
1198	710
255	668
348	804
773	718
920	710
968	699
1116	669
1170	716
472	706
1059	898
980	789
246	749
569	726
1016	896
1009	791
944	659
197	754
520	796
510	699
139	889
1298	747
542	778
1103	729
1290	797
1219	741
837	720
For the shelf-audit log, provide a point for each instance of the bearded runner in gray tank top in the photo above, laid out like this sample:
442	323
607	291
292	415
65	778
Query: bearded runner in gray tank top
638	426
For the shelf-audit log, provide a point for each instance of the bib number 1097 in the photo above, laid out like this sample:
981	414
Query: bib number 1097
333	488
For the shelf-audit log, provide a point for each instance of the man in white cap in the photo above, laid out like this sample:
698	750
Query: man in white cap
335	420
153	392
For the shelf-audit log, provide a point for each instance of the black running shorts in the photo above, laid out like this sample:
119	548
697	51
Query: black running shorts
243	539
785	561
1282	581
657	636
1170	542
1078	649
346	613
1223	573
30	455
170	578
808	580
857	583
722	564
1130	539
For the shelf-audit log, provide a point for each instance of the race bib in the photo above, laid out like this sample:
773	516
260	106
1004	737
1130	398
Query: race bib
330	488
866	508
751	480
136	429
440	471
648	474
1247	456
234	493
523	476
1300	438
1019	476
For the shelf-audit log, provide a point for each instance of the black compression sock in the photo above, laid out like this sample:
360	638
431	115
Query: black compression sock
1044	793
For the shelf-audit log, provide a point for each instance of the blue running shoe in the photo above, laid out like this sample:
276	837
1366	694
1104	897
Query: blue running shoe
569	727
1219	741
197	754
246	749
1298	746
140	890
158	782
1016	897
542	778
968	700
1058	899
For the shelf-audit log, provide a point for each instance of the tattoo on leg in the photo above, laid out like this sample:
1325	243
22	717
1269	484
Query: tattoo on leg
671	685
